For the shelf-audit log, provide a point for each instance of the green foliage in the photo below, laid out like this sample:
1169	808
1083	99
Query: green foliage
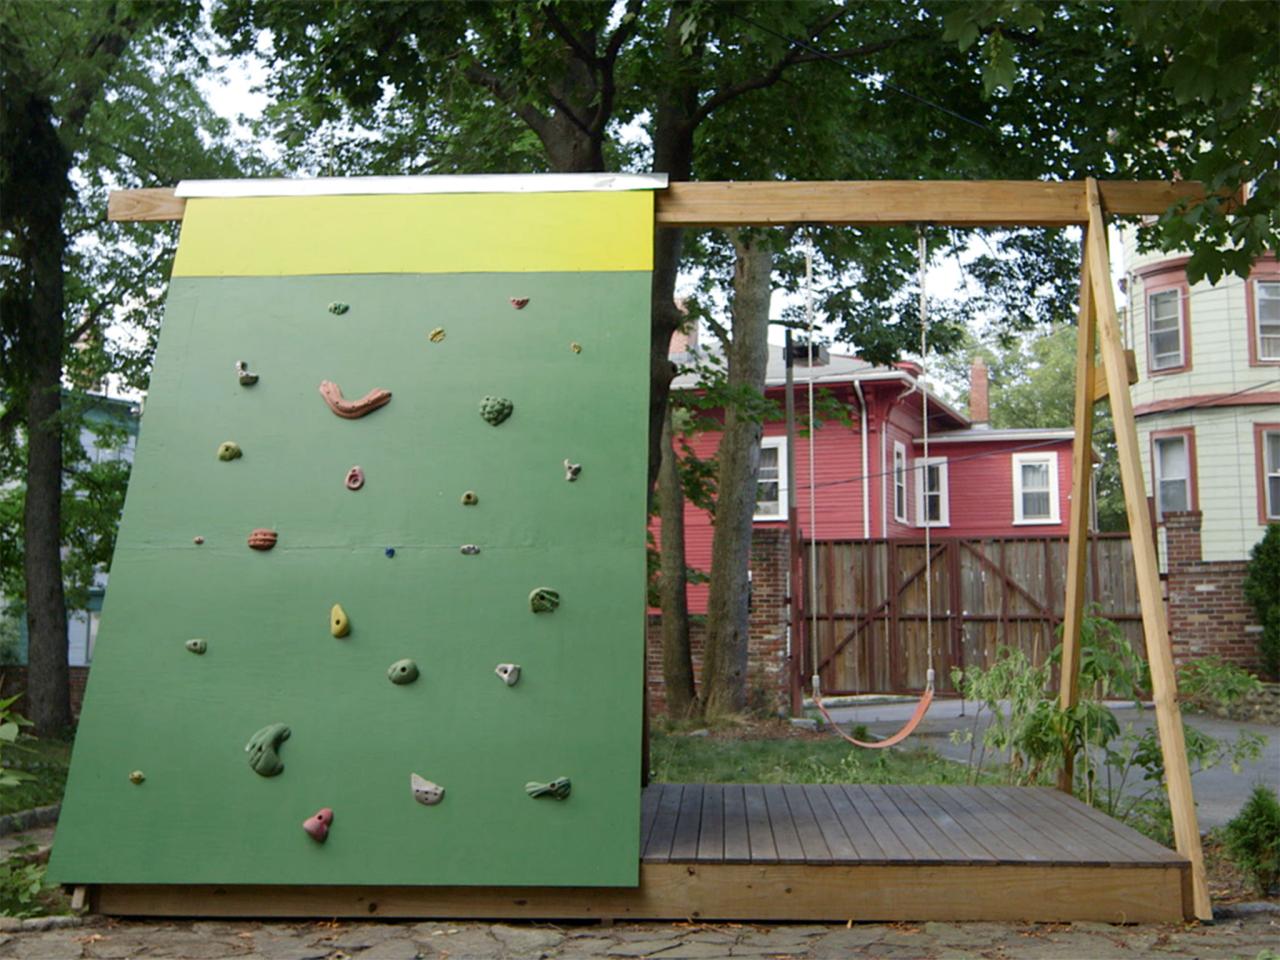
1212	682
1252	839
1008	694
11	724
21	883
1262	590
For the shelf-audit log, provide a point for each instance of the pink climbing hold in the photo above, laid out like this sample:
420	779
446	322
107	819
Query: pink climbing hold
519	302
317	826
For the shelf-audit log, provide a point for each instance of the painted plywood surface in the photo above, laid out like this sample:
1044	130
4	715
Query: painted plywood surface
202	815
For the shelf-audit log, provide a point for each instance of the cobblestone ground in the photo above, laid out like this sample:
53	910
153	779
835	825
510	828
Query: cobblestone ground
1250	936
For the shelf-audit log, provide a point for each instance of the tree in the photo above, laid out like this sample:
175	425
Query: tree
77	104
677	659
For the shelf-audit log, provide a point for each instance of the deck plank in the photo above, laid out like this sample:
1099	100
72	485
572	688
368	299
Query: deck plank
953	802
917	845
895	850
759	830
649	797
946	845
684	845
1026	842
1109	830
664	825
833	833
785	836
811	839
869	847
1076	849
711	830
952	828
737	841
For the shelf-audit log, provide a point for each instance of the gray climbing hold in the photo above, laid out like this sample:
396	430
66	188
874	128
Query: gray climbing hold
544	600
571	471
402	672
197	646
470	549
264	749
229	450
495	410
557	789
246	378
424	791
136	777
469	499
509	672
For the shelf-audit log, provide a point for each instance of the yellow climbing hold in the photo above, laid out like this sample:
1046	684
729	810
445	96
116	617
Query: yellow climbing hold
339	624
436	335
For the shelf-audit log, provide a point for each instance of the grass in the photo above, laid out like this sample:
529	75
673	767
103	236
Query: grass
46	761
778	754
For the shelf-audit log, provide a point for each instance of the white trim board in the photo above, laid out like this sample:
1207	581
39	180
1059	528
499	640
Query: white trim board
369	186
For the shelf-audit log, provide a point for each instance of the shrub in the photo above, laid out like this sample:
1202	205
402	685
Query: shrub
1252	838
1262	590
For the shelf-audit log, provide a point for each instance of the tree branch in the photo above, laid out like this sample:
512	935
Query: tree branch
588	57
530	114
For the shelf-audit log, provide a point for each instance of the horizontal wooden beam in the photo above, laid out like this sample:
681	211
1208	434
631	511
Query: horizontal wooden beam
1100	388
863	203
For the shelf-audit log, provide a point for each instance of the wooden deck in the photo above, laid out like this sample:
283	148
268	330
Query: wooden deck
811	852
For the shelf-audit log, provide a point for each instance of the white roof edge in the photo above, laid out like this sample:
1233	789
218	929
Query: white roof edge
996	434
479	183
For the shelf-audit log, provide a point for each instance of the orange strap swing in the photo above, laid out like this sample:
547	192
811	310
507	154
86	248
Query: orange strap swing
922	707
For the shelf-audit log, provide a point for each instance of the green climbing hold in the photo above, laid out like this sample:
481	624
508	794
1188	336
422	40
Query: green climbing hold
557	789
197	646
544	600
495	410
264	749
402	672
338	308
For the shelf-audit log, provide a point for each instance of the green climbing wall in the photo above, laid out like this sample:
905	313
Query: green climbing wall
254	281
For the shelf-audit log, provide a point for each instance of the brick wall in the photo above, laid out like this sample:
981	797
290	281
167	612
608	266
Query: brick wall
767	647
1208	614
13	680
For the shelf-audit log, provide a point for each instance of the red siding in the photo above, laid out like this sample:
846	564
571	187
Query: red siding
980	480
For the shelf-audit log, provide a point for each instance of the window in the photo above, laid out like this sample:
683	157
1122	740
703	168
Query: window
1035	488
771	481
1171	456
932	507
1268	444
1267	304
1164	329
899	482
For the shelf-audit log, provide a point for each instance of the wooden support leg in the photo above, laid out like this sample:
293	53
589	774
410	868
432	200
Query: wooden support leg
1159	653
1081	489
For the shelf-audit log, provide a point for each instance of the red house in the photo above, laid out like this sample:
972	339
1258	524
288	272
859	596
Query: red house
871	477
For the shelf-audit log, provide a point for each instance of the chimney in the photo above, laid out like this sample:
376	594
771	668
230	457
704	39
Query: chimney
979	408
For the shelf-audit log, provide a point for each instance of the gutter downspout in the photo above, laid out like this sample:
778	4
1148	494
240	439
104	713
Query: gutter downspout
866	480
884	455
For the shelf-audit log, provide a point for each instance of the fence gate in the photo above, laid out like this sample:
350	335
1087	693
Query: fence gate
870	614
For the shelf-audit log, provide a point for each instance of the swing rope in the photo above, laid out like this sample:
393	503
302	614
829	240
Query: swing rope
922	707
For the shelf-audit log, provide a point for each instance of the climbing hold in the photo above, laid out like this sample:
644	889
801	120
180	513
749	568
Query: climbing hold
519	302
575	347
246	378
509	672
339	625
264	749
136	777
571	471
355	478
436	335
469	499
197	646
389	552
470	549
353	409
402	672
317	825
338	308
197	540
557	789
424	791
229	450
262	539
544	600
495	409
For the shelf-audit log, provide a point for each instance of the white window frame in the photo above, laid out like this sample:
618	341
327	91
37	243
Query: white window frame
1055	510
1269	470
1179	328
900	471
944	492
779	444
1258	286
1157	479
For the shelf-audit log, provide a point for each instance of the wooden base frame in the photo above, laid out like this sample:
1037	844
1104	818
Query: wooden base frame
692	891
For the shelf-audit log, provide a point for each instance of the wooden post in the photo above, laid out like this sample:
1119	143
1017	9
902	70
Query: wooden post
1081	489
1164	688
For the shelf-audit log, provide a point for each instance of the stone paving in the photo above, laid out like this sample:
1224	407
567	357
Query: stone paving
1251	935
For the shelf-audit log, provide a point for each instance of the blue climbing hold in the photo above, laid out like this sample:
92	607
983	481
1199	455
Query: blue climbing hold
390	552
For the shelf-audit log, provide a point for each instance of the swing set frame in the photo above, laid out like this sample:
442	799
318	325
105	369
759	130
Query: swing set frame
785	890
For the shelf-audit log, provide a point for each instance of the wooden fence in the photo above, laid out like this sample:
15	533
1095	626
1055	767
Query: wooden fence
872	629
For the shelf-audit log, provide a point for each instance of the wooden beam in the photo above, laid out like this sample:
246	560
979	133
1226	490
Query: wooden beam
1164	686
960	203
1100	388
695	891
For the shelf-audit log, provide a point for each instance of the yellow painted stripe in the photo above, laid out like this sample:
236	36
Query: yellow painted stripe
424	233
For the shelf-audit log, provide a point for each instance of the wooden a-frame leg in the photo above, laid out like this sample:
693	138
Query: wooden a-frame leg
1164	687
1081	492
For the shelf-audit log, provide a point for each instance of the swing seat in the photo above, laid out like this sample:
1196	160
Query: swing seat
907	729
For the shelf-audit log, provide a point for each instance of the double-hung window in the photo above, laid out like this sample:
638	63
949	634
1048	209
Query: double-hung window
1269	472
771	480
1035	488
1267	306
1164	330
1171	469
932	506
899	482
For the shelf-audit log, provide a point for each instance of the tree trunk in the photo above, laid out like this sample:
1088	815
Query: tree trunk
48	690
677	661
724	661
